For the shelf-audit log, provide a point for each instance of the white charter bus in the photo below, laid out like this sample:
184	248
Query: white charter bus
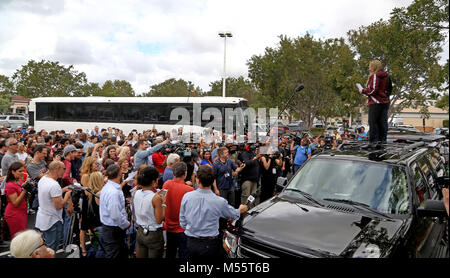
125	113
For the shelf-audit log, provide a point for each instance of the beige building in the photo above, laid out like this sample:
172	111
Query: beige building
20	105
411	116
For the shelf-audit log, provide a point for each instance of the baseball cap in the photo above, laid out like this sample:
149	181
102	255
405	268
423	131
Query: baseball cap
68	149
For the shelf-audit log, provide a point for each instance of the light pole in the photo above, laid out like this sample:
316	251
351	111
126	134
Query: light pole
224	35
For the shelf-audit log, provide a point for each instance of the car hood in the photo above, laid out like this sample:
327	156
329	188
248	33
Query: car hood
317	232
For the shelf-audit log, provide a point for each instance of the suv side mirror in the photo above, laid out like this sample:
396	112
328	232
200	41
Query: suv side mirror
281	182
432	208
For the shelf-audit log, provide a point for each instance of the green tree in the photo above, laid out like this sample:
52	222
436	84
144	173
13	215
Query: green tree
326	69
6	86
425	14
235	87
47	79
5	103
443	102
174	88
409	54
116	88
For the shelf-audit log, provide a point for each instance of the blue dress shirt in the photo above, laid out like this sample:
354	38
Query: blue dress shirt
112	206
200	212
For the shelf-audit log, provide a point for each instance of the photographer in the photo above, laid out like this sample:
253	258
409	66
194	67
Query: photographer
250	174
361	134
16	210
225	170
149	208
285	154
303	153
49	216
270	168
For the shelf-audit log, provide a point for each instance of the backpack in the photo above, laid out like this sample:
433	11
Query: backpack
389	86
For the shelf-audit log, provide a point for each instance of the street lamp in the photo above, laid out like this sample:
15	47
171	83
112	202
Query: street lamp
224	35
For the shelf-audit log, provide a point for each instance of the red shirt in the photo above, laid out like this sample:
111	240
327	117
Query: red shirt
158	160
21	210
175	192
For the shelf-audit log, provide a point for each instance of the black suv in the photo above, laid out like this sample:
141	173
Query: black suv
355	201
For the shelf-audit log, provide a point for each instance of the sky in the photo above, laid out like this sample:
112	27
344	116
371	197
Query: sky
149	41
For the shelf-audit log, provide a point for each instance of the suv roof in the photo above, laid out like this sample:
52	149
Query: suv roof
395	151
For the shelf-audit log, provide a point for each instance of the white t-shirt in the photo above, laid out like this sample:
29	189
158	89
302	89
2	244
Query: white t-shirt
23	156
47	214
143	209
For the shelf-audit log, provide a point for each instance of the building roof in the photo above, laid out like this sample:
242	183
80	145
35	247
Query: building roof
20	99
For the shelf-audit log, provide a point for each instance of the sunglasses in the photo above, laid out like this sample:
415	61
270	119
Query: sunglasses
43	244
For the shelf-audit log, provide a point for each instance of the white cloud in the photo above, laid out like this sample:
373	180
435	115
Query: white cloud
147	42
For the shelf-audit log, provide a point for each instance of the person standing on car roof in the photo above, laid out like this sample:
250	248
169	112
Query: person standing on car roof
378	101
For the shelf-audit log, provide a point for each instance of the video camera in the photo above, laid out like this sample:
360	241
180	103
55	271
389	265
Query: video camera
31	186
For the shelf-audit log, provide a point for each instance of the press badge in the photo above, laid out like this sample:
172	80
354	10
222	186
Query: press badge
226	175
274	171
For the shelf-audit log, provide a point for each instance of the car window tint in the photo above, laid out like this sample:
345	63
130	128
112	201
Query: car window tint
428	174
437	163
420	186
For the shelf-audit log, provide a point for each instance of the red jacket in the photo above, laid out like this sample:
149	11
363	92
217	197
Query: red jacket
376	88
66	178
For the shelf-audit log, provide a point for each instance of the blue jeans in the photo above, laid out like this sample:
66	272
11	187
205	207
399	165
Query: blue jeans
295	168
97	252
66	226
54	236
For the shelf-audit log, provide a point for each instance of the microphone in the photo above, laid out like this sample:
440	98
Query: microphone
299	88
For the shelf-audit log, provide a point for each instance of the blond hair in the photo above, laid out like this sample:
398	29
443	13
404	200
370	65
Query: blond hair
86	168
123	152
95	183
25	243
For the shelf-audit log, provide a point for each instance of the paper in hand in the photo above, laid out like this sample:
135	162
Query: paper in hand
359	86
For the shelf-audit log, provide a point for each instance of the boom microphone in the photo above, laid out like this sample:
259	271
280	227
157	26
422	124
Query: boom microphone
299	88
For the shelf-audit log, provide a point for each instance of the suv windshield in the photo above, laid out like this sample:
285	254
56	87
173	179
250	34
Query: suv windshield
382	187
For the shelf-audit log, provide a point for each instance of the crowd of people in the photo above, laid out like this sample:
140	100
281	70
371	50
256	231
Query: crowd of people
137	195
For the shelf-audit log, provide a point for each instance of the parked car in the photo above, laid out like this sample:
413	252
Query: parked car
330	130
318	124
297	126
352	202
13	121
441	131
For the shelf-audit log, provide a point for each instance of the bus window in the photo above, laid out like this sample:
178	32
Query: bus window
86	112
156	113
65	112
131	113
44	112
108	112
